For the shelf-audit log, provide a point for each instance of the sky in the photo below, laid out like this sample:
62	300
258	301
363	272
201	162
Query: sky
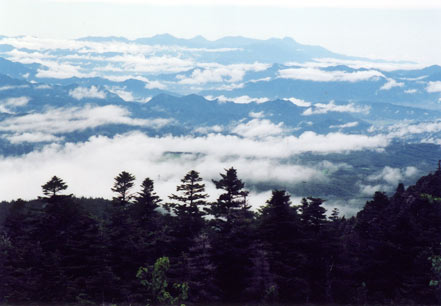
387	29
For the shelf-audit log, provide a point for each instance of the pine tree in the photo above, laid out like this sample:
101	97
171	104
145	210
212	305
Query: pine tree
279	230
187	209
147	199
123	183
54	186
122	237
148	233
335	215
232	200
191	196
233	237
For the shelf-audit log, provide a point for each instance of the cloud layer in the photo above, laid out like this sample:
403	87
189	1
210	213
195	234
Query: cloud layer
167	159
317	75
93	92
67	120
321	108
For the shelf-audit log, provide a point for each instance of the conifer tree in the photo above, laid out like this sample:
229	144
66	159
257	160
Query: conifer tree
191	195
232	200
148	232
53	186
189	200
121	234
147	199
123	183
279	229
233	238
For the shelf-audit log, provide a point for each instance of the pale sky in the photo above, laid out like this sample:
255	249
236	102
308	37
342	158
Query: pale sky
387	29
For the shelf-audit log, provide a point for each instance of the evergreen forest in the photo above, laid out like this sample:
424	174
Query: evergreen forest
139	249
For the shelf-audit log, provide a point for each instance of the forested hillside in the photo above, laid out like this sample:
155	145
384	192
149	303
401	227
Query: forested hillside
140	249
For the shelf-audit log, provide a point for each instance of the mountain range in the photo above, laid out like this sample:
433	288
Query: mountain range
259	91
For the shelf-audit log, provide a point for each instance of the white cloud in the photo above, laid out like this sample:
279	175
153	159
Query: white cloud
393	176
122	93
6	105
209	129
241	99
317	75
61	71
346	125
43	86
321	108
29	57
9	87
405	129
145	100
389	175
127	95
259	128
371	189
390	84
32	138
15	101
84	48
155	84
65	120
299	102
411	91
260	80
256	115
93	92
89	167
122	78
154	64
216	73
434	86
230	87
357	64
411	171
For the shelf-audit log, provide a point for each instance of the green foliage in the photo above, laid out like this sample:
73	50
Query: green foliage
157	285
430	198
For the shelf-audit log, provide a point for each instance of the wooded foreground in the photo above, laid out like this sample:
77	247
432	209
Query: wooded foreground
136	249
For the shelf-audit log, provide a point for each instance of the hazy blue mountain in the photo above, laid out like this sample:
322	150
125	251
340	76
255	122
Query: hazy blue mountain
410	88
6	47
17	70
246	50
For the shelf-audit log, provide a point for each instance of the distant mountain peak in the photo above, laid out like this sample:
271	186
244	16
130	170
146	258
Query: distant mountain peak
164	36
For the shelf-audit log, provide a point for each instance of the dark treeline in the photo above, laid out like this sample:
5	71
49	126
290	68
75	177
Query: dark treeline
139	249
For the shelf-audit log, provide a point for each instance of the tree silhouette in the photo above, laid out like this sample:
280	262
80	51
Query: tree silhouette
147	198
123	183
52	187
189	217
234	197
191	195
